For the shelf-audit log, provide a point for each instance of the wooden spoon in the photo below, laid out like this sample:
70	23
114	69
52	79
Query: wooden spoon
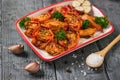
96	59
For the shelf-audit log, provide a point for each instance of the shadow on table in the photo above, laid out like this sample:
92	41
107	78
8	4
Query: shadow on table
24	54
75	62
38	74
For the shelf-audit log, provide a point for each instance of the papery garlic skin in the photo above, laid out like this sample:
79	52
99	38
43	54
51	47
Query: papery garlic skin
32	67
16	49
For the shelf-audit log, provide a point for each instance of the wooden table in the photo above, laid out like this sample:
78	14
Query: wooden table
11	66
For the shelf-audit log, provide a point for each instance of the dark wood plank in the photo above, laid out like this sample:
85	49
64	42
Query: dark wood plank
0	63
69	62
12	65
98	73
0	38
112	10
38	4
48	2
78	67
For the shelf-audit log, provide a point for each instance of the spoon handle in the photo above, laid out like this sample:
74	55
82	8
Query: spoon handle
106	49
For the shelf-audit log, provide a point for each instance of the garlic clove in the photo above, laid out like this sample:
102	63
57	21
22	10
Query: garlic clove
86	3
32	67
81	1
16	49
76	3
79	8
87	9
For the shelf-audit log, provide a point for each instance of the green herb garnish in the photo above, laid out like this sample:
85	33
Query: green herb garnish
61	35
103	21
22	22
57	15
86	24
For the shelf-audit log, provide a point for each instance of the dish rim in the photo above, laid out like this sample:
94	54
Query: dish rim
67	51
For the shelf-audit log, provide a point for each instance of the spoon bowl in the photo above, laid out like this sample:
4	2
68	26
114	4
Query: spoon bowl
96	59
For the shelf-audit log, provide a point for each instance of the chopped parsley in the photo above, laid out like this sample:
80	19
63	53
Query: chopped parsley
61	35
86	24
103	21
57	15
22	22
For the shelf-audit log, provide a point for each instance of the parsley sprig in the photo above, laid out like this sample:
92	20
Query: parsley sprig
103	21
57	15
86	24
22	22
61	35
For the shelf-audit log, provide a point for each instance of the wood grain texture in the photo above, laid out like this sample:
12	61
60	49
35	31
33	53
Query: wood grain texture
78	66
112	10
12	65
0	39
48	2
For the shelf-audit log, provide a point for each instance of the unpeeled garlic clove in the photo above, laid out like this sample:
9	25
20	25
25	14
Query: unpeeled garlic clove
32	67
16	49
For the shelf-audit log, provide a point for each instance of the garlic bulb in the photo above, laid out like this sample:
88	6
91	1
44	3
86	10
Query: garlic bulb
82	5
16	49
32	67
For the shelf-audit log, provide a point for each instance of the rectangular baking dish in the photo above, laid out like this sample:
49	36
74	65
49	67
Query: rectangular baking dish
83	41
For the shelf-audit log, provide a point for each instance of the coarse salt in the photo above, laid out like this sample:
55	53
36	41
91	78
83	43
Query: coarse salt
79	66
88	68
76	78
72	64
74	56
82	64
84	73
94	59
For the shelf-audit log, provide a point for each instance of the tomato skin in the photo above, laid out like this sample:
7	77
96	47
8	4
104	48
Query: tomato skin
75	26
73	39
54	48
35	30
39	44
52	11
42	37
41	18
63	43
76	13
65	10
28	33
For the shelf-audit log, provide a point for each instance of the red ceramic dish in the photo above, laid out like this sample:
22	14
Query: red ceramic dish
83	41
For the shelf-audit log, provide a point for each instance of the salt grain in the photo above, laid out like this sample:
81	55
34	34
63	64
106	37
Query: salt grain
94	59
79	66
91	69
82	64
84	73
76	78
74	56
82	58
68	69
72	64
88	68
